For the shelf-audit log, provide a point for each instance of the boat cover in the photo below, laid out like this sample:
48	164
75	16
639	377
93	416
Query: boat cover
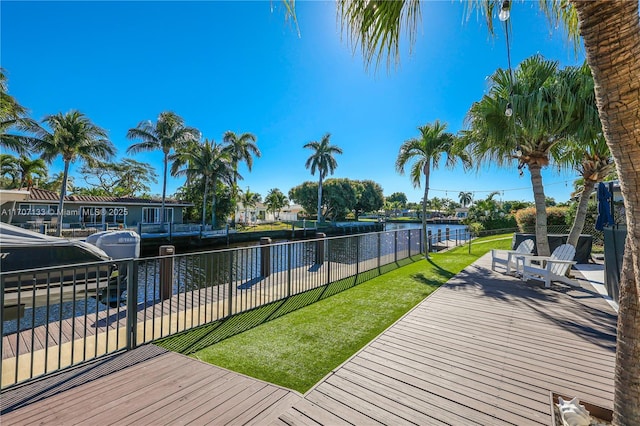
14	236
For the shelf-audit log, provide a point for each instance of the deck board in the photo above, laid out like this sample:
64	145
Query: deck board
484	349
148	385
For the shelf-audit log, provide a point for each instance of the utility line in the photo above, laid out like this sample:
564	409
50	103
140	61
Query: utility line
453	191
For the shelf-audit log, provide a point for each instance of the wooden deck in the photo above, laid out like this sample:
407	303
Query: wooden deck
146	386
483	349
71	341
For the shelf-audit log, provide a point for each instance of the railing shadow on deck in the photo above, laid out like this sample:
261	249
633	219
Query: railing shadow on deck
64	380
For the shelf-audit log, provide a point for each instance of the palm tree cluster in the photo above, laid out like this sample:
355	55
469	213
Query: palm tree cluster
215	164
276	201
73	136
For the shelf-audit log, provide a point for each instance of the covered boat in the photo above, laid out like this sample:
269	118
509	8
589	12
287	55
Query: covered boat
39	270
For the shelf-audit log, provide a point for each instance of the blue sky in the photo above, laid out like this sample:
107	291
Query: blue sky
241	66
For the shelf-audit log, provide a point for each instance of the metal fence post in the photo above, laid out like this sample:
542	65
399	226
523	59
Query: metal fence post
320	247
379	251
166	271
265	257
357	255
395	246
132	304
231	282
289	262
329	260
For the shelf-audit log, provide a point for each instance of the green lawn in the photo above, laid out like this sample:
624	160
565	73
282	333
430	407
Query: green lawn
274	226
298	349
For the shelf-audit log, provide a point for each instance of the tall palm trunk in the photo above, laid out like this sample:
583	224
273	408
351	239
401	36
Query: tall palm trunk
425	197
235	192
164	187
63	193
214	184
320	199
581	214
204	201
611	33
542	240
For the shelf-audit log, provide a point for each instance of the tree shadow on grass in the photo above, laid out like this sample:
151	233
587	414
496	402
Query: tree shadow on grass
422	279
440	270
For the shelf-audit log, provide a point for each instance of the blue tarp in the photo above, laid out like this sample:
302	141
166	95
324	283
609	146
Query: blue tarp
604	208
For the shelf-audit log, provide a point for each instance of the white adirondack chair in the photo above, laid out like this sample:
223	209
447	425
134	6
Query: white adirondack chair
508	257
548	268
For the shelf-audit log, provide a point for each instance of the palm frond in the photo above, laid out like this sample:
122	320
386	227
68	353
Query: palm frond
376	27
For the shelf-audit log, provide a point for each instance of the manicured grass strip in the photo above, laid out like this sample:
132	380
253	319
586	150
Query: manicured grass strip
298	349
275	226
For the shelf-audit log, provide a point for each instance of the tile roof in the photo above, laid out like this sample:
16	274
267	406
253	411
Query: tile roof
38	194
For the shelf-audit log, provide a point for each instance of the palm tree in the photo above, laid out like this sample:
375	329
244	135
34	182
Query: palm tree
323	161
168	133
424	152
9	167
248	199
617	91
465	198
14	116
395	207
242	148
55	183
209	161
27	168
73	136
543	117
587	151
376	28
275	201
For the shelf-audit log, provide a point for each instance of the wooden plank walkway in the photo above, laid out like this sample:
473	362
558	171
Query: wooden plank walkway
145	386
483	349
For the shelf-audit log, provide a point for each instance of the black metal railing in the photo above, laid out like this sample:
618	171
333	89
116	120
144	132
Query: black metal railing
58	317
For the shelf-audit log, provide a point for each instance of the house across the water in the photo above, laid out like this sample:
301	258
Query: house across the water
259	213
38	209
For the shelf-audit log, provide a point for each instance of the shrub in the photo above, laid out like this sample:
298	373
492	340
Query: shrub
476	228
526	218
505	222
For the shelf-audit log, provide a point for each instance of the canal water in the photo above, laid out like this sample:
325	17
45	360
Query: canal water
433	227
211	268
